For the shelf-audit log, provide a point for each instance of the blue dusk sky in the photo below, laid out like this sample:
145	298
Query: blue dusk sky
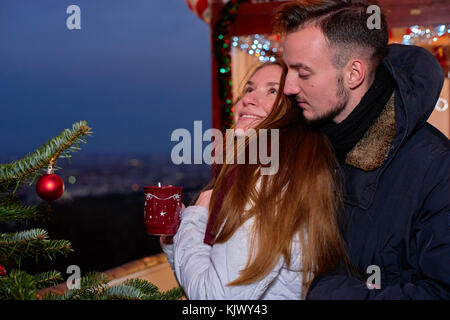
136	71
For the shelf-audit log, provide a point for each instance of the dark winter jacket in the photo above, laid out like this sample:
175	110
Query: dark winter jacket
396	183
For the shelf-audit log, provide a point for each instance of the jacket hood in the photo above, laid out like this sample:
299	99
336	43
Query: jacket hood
419	78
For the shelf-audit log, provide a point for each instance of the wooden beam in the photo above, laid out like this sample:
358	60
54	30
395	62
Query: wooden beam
255	18
405	13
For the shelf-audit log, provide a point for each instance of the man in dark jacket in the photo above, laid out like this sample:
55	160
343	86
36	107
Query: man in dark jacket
372	101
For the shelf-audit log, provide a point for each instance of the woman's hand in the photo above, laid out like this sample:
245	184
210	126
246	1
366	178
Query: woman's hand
203	199
165	240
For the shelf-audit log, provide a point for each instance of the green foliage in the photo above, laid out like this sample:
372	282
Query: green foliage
35	243
145	287
31	243
121	292
47	279
17	212
94	286
90	286
19	285
151	292
27	168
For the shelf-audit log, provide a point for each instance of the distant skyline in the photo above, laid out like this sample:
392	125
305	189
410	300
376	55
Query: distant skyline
136	71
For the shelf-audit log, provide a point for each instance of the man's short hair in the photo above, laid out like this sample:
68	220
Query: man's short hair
343	23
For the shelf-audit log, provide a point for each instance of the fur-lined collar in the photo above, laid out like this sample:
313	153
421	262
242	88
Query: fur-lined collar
373	148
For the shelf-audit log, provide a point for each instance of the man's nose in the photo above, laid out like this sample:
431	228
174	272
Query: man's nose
290	85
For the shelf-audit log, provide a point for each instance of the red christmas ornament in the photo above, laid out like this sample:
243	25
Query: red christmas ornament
201	8
50	186
2	271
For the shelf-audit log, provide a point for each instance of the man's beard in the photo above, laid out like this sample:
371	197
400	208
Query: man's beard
338	108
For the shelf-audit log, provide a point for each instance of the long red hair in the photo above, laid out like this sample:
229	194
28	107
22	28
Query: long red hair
302	198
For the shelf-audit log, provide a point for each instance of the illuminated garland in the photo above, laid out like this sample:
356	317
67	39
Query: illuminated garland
223	43
222	52
264	48
418	35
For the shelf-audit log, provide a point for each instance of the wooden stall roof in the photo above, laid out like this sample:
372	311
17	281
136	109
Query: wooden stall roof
255	18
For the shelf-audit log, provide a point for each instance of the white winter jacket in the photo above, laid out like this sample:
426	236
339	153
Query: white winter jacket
204	271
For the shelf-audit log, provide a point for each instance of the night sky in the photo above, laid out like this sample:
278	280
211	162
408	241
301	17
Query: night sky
137	70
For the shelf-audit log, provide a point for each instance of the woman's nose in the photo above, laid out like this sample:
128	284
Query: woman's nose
250	99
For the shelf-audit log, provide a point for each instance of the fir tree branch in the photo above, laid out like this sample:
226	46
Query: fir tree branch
144	286
151	292
17	213
121	292
59	146
22	236
93	279
47	279
91	287
31	243
18	285
172	294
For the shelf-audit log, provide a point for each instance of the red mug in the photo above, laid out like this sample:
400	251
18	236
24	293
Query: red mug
162	209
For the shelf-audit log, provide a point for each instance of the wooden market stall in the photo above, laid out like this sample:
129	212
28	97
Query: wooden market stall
236	19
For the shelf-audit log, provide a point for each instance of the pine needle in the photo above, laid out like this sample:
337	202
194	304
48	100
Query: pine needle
47	279
17	285
31	244
23	169
121	292
18	213
145	287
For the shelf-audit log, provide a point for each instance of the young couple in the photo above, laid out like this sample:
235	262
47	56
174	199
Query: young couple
363	181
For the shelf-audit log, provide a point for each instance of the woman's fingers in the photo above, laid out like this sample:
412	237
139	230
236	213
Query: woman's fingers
166	239
203	199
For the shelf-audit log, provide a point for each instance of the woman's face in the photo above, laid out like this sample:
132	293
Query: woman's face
258	98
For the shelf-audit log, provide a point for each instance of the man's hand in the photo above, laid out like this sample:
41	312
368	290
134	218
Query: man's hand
203	199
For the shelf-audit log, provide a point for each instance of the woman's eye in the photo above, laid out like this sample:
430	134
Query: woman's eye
273	90
248	89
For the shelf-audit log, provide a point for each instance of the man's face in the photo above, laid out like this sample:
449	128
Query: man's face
316	84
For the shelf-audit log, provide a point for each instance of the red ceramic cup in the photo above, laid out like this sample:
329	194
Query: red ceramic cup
162	209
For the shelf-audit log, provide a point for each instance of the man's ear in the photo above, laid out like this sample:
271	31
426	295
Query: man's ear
356	71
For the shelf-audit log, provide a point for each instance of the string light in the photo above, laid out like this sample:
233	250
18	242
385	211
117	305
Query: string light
258	45
424	34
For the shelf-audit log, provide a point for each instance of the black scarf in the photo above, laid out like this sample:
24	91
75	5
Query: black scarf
344	136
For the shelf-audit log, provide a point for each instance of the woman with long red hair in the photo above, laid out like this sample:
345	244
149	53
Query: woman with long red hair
254	236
